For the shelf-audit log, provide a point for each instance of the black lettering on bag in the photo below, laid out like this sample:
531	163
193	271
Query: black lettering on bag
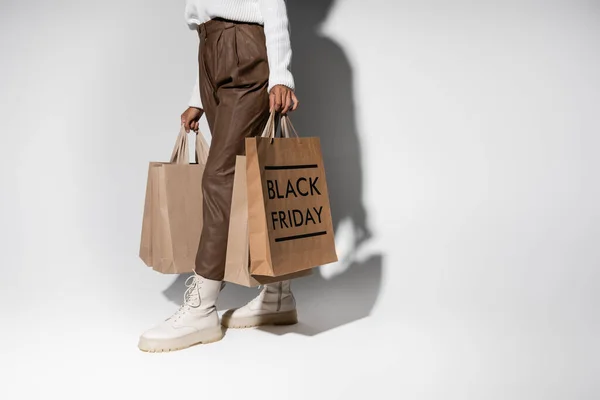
270	189
303	194
274	218
313	186
309	217
296	222
279	196
319	211
290	189
282	219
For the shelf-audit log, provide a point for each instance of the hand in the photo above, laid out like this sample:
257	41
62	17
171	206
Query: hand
190	118
283	99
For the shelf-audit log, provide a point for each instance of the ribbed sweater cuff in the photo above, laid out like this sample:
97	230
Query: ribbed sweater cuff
284	78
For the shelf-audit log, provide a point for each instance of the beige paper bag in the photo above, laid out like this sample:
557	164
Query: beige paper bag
172	221
290	226
237	266
146	240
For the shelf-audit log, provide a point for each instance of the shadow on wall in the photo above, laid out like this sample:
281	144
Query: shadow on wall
323	78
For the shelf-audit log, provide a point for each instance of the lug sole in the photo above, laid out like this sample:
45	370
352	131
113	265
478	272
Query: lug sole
283	318
206	336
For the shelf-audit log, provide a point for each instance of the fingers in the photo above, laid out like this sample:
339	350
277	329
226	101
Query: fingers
272	101
287	104
190	119
296	102
279	99
282	99
185	122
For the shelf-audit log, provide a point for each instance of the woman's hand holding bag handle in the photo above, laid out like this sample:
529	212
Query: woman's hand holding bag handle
180	154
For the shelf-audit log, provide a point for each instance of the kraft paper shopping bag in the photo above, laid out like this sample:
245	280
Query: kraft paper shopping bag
290	226
172	220
146	240
237	266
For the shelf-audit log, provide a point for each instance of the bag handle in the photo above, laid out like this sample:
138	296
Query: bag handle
286	127
269	131
180	154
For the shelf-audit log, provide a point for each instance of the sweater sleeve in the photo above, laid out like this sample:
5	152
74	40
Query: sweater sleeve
279	50
195	100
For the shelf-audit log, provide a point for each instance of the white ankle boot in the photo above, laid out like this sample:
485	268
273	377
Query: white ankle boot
195	322
275	305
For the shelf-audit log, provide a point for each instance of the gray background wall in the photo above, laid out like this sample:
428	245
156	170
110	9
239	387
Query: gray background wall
461	144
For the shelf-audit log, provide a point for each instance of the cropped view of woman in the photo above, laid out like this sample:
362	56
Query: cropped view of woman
244	74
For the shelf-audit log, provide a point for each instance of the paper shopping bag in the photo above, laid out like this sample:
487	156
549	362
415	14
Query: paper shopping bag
146	240
289	216
172	221
237	265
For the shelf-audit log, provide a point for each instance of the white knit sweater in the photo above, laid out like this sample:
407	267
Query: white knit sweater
272	14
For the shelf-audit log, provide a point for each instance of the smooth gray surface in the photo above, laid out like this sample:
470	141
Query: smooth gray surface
461	144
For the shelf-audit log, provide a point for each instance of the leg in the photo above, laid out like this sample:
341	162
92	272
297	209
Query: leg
242	109
234	95
234	121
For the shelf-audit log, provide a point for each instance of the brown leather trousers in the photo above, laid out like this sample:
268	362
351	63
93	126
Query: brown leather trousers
234	74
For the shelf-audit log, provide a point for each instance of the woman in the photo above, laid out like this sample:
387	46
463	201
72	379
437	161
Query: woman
244	73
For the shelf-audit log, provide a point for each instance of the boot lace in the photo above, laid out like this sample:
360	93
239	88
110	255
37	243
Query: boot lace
191	297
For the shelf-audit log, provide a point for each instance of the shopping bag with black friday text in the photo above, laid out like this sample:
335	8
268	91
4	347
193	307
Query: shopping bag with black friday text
237	265
172	220
289	215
